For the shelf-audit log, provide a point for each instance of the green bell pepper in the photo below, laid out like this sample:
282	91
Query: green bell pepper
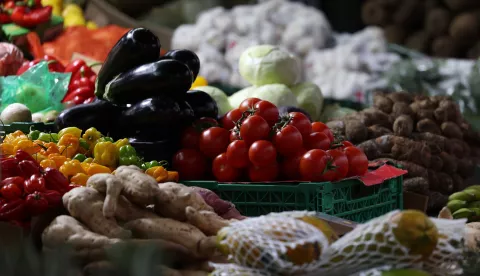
105	139
147	165
48	137
128	156
80	157
34	134
83	143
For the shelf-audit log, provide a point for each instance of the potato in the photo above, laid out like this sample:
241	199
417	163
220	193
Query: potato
424	114
16	112
417	185
427	125
451	130
377	131
403	126
383	103
355	131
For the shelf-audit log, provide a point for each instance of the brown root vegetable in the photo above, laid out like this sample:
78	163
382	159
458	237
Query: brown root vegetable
434	141
111	186
385	143
355	131
445	183
337	126
104	267
413	169
377	131
436	201
447	111
415	106
461	5
458	183
451	130
465	168
374	14
410	14
427	103
424	114
419	41
449	162
445	46
465	28
371	149
437	22
427	125
395	34
417	185
373	116
455	147
207	221
436	163
127	211
433	182
382	103
408	150
401	108
403	126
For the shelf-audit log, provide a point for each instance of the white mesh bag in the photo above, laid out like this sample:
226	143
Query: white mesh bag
236	270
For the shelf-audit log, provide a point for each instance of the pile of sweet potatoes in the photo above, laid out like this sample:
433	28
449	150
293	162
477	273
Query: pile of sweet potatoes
426	135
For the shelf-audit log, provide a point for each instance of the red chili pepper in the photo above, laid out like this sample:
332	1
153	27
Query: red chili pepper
74	66
9	167
82	92
27	65
21	155
93	79
81	82
89	100
54	198
4	17
28	168
25	18
13	210
54	65
55	180
84	71
16	180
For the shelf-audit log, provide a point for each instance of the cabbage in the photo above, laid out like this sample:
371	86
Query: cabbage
267	64
219	96
335	111
278	94
309	98
238	97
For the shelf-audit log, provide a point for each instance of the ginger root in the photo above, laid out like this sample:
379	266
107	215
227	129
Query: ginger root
207	221
111	186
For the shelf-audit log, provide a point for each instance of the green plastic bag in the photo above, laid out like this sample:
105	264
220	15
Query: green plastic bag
39	89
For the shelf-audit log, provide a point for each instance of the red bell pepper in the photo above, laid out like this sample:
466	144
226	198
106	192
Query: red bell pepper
36	183
9	167
79	95
4	17
36	204
54	198
21	155
16	180
28	168
25	17
13	210
55	180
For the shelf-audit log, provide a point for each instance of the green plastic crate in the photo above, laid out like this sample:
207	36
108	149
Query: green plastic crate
349	199
26	127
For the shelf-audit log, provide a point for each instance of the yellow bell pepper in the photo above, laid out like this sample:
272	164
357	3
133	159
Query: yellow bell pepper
91	135
91	25
68	145
72	9
199	81
158	172
105	153
48	163
57	6
74	20
9	138
58	159
28	146
80	179
122	142
94	168
39	157
6	149
88	160
75	131
71	168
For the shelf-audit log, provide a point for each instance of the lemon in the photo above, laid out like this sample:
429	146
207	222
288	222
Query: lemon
72	9
74	20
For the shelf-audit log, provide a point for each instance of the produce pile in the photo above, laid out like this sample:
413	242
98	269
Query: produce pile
426	135
465	204
72	13
270	146
447	28
26	14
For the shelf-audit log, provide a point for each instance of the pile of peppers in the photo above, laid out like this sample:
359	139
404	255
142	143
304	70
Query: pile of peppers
78	155
28	190
26	13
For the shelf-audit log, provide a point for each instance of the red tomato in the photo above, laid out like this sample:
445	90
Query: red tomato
288	140
267	111
223	171
229	120
234	135
312	165
337	167
11	191
321	127
248	104
291	165
190	164
301	122
261	153
317	140
237	154
357	161
254	128
262	174
36	183
347	144
190	138
214	141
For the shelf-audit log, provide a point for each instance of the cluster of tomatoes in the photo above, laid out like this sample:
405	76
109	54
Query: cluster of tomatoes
255	143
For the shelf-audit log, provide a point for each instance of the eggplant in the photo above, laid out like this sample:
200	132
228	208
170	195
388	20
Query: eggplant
99	114
159	118
137	47
186	56
155	150
164	77
203	105
288	109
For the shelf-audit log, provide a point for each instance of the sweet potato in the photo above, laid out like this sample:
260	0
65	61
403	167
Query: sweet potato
371	149
417	185
403	126
413	169
427	125
445	183
447	111
382	103
434	141
451	130
401	96
449	162
207	221
372	116
355	131
401	108
377	131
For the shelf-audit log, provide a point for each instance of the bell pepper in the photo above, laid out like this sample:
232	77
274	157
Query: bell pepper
6	149
35	183
80	179
105	139
54	198
122	142
105	153
28	168
28	146
16	180
158	172
21	155
94	168
75	131
48	137
172	176
88	160
33	135
58	159
68	145
24	17
147	165
89	100
91	135
70	168
36	204
13	210
48	163
54	180
83	144
9	138
50	148
128	156
9	167
39	157
80	157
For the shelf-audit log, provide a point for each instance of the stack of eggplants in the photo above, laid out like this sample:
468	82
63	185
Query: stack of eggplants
144	96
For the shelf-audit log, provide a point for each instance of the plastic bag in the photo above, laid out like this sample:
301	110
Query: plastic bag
37	88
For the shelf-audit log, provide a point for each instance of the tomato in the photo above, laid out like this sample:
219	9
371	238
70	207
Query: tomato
237	154
36	183
291	165
261	174
267	111
288	140
301	122
317	140
261	153
254	128
11	191
234	135
337	167
223	171
190	138
248	104
357	161
190	164
312	165
321	127
347	144
214	141
229	120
